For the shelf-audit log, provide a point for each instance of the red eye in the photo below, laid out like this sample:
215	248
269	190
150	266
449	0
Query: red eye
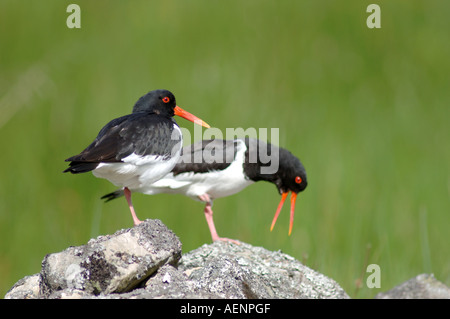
165	99
298	180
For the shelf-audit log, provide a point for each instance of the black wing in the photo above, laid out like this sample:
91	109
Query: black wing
142	134
206	155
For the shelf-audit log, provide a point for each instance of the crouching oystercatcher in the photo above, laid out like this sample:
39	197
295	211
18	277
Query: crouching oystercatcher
136	150
210	169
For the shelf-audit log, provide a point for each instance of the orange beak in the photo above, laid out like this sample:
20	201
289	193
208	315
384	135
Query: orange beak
190	117
280	205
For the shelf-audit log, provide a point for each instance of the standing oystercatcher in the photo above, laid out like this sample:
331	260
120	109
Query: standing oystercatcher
210	169
136	149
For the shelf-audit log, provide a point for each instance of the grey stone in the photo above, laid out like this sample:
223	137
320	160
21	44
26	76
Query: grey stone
25	288
144	262
424	286
111	264
245	271
167	283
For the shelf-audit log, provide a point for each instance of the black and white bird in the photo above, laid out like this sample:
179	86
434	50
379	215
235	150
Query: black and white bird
137	149
211	169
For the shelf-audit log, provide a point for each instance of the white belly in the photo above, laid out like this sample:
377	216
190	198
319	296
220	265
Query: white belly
136	171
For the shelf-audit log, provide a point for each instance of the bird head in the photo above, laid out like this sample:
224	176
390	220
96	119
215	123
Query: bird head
163	102
290	177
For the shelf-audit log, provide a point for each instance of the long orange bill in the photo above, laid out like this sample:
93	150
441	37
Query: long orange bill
291	221
190	117
280	205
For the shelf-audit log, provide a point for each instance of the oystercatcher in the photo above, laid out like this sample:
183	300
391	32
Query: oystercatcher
211	169
136	150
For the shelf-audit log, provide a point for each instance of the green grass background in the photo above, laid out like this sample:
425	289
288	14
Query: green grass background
366	110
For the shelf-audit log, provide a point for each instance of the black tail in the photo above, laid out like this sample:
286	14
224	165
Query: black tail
80	167
112	195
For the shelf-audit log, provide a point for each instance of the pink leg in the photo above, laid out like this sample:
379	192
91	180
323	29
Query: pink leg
127	193
209	219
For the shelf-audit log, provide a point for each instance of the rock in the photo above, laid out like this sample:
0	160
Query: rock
144	262
244	271
25	288
167	283
424	286
108	264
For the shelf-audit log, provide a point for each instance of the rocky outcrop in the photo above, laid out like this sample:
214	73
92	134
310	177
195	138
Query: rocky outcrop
244	271
145	262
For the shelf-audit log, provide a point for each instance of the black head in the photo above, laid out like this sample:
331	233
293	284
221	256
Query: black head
267	162
156	101
163	102
291	175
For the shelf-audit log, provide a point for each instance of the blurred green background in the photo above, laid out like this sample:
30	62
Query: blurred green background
366	110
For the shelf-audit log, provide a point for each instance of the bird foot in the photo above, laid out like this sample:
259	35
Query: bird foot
137	222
